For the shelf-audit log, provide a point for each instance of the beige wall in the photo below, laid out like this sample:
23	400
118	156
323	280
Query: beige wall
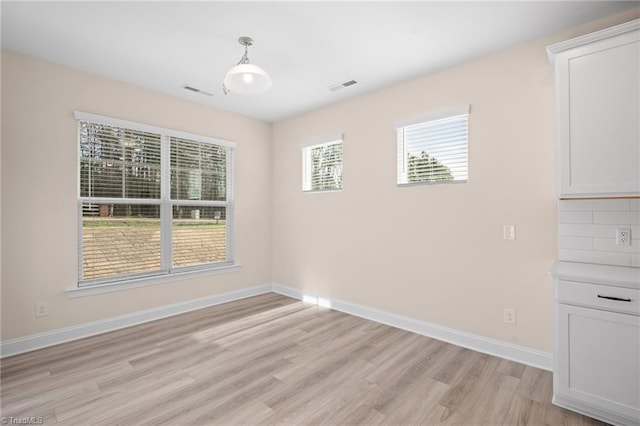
433	253
430	252
39	181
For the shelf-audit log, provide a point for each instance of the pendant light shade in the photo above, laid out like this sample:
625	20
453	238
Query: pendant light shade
246	78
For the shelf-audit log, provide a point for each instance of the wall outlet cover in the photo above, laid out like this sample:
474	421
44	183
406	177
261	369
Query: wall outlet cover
623	237
509	315
42	309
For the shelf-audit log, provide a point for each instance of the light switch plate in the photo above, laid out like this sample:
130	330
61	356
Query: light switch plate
509	232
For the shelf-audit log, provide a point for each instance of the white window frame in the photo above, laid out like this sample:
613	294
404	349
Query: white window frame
306	161
401	160
166	210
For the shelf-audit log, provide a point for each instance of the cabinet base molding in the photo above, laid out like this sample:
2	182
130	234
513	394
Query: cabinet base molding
596	413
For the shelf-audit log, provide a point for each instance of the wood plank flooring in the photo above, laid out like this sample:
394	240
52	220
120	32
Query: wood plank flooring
267	360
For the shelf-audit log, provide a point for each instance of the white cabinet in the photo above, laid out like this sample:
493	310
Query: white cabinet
598	112
597	353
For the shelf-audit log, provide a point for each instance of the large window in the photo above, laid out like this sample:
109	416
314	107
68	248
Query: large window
152	201
322	164
434	148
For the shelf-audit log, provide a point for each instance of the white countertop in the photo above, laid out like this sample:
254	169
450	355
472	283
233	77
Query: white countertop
623	276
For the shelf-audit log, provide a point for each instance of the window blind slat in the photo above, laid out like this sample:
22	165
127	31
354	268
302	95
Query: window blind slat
199	235
120	239
198	170
118	163
421	139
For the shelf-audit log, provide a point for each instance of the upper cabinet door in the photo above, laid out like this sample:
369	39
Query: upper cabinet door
598	113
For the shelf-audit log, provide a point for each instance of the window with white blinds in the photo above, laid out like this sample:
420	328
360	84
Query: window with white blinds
322	164
434	148
152	201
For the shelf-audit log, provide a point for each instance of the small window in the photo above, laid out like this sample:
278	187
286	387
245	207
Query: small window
322	165
434	148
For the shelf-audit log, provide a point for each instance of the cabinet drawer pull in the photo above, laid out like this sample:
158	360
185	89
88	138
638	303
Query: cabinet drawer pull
619	299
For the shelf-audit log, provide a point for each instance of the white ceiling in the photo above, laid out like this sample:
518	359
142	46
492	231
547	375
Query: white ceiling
305	46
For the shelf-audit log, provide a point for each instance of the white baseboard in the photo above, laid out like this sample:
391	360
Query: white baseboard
478	343
590	410
518	353
54	337
288	291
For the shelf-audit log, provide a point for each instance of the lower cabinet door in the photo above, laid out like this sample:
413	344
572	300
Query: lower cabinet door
598	360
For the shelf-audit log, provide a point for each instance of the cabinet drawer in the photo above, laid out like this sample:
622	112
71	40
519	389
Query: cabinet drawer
618	299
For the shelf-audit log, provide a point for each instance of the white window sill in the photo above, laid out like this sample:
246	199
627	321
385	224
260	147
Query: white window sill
91	290
320	191
439	182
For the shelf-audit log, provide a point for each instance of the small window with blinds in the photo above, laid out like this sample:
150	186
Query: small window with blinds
322	165
152	201
434	148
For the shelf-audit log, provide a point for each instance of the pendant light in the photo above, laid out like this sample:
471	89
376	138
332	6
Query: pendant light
246	78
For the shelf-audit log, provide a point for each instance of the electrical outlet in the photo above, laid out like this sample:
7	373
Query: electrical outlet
623	237
509	232
42	309
509	315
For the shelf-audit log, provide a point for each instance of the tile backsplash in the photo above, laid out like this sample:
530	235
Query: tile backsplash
587	231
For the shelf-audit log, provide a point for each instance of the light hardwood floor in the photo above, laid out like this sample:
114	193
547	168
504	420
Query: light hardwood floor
270	359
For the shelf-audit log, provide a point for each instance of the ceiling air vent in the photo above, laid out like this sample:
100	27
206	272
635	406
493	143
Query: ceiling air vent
191	89
342	85
195	90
